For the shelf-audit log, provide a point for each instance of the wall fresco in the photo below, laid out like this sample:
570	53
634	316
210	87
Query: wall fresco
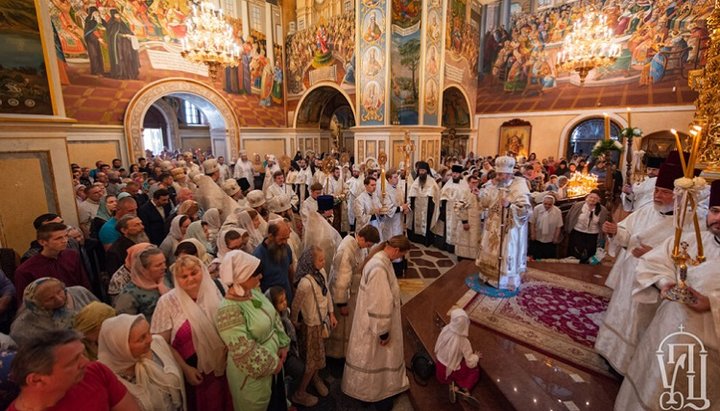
372	53
462	37
433	56
405	57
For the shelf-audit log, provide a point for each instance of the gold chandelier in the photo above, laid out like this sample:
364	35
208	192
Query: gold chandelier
590	45
209	39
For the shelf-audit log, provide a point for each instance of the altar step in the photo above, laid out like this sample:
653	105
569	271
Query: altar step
514	376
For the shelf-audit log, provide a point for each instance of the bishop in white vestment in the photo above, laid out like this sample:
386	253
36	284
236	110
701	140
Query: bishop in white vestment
503	246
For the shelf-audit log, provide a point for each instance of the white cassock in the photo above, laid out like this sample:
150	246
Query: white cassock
641	196
210	195
319	232
392	223
269	180
374	372
308	206
352	190
363	206
344	282
244	169
625	320
643	387
422	222
276	195
224	172
467	209
320	177
301	183
504	255
450	193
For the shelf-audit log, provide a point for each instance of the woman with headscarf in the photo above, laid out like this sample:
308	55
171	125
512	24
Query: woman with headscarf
212	217
456	362
143	363
48	305
190	208
230	238
185	318
313	303
253	332
106	211
250	221
88	322
148	281
198	230
178	230
195	248
121	277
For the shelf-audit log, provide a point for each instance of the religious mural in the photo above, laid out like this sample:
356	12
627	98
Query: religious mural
405	57
109	49
24	87
372	62
661	41
462	37
322	52
431	74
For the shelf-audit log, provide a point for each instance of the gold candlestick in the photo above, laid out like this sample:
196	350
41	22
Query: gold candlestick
607	126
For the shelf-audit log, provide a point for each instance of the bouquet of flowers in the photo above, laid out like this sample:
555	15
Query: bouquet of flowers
631	132
603	147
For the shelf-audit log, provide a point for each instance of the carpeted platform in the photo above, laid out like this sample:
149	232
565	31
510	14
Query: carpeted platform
555	314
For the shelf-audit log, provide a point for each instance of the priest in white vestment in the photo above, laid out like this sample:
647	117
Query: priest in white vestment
244	172
690	378
503	245
367	205
353	188
375	360
310	204
270	169
210	195
279	192
467	221
320	232
635	196
424	195
452	191
393	207
301	181
642	231
344	282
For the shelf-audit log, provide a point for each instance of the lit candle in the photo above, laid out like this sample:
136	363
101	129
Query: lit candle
680	150
629	113
382	181
607	126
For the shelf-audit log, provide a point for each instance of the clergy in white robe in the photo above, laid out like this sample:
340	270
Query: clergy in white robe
336	188
367	205
270	169
280	193
503	245
654	379
301	181
353	188
310	204
394	207
452	191
319	232
635	196
375	363
644	230
244	172
210	195
344	282
424	197
467	221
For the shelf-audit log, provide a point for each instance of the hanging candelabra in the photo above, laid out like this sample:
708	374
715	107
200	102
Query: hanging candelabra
209	40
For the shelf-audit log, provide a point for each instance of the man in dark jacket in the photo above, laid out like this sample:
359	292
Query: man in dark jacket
153	215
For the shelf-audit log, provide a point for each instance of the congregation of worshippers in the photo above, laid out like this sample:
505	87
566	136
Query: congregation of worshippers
195	284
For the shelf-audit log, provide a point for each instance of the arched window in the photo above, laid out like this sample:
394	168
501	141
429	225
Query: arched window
586	133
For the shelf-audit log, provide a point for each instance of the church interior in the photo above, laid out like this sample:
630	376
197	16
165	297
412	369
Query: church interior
386	84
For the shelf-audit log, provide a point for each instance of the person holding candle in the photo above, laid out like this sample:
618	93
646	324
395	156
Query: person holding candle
673	322
636	235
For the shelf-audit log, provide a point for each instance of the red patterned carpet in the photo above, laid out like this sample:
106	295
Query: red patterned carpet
555	314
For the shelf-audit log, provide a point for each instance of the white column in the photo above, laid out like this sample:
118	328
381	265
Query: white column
244	15
269	35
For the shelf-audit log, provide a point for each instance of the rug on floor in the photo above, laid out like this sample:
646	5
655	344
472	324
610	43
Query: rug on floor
557	315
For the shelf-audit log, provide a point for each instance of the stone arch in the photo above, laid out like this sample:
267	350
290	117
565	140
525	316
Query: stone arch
148	95
315	93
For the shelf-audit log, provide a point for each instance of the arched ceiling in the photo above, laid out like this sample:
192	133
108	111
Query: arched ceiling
318	107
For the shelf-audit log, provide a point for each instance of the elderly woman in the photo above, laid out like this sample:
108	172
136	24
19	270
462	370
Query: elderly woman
185	318
88	322
147	283
254	334
143	362
121	277
178	229
48	305
584	221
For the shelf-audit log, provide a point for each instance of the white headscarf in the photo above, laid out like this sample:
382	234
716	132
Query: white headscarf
175	230
202	253
236	267
256	235
212	217
222	245
201	313
150	377
452	338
